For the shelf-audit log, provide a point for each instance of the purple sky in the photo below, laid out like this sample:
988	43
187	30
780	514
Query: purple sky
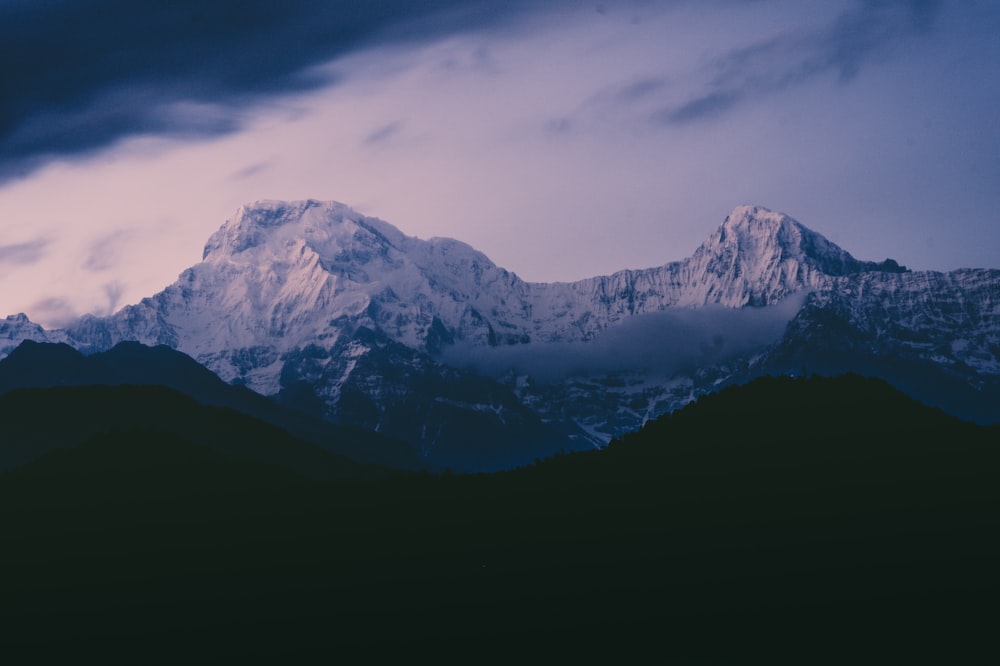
563	139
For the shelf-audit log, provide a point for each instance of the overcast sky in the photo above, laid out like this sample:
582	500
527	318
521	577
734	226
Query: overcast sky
563	139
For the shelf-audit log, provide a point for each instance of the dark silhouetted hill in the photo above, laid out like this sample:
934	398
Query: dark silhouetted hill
39	421
40	365
820	520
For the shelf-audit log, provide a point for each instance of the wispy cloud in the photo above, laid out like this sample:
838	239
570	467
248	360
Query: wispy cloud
105	252
640	89
251	170
383	133
24	253
709	105
53	312
114	291
853	39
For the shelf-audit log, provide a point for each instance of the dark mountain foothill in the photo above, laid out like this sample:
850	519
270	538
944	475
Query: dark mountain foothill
790	520
40	421
41	365
656	470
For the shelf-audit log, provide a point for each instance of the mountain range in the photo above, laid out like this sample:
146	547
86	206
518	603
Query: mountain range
345	319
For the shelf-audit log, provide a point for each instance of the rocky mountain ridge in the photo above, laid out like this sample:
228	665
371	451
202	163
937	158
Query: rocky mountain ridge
344	313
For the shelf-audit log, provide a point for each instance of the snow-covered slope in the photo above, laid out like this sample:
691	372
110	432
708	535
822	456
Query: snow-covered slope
934	335
15	329
281	276
314	301
291	274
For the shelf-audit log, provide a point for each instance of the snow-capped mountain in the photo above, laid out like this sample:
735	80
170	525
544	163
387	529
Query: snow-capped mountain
15	329
345	315
288	275
933	335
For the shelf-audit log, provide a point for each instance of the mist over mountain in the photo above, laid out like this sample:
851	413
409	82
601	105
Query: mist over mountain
665	343
346	318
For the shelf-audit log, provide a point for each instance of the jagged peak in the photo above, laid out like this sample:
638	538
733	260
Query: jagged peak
746	213
752	232
751	227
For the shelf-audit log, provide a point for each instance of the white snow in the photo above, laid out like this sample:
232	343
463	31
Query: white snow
279	276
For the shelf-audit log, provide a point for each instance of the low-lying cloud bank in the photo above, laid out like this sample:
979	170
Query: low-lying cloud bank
661	343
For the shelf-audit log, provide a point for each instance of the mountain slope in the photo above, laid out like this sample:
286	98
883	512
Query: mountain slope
347	318
43	365
869	538
308	272
15	329
933	335
40	421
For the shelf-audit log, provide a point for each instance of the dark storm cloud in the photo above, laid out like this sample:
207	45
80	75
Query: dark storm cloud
77	76
23	253
776	64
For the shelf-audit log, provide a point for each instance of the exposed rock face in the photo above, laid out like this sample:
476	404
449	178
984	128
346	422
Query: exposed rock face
322	306
15	329
933	335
